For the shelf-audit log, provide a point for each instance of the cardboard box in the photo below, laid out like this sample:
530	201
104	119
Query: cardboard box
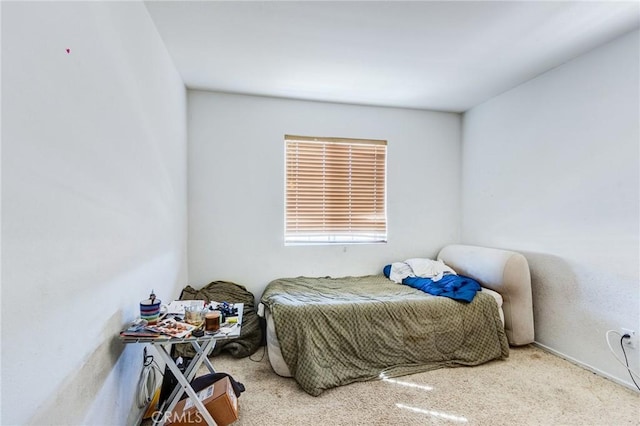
219	400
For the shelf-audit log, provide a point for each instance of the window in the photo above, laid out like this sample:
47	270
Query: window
335	190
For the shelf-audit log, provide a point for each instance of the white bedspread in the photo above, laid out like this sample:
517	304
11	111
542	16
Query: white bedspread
417	267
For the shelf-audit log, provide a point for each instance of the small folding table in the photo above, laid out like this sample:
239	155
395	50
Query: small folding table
203	347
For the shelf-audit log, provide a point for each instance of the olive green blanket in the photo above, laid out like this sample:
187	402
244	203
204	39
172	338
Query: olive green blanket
335	331
250	332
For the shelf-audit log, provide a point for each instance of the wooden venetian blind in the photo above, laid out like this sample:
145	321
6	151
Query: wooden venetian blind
335	190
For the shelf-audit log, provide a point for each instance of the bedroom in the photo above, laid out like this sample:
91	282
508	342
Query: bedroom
106	166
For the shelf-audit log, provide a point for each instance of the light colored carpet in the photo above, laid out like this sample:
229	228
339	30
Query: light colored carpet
531	387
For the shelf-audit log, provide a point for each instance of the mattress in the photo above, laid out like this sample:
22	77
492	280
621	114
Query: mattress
276	358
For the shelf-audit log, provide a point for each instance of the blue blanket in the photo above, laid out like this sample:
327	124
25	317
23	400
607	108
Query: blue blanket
457	287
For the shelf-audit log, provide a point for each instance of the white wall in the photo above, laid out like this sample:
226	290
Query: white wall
551	168
94	204
236	186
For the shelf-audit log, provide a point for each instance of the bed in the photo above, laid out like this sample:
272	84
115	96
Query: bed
327	332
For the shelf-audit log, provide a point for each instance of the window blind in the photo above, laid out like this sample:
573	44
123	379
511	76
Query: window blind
335	190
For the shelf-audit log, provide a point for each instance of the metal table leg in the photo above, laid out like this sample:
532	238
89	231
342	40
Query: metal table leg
184	379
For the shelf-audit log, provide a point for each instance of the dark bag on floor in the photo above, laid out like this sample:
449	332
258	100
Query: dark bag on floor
169	381
202	382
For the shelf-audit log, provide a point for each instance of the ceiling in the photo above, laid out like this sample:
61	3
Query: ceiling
447	56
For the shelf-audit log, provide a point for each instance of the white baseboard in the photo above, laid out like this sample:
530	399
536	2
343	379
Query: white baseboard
587	366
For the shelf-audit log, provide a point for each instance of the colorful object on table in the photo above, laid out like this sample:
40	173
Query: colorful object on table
150	309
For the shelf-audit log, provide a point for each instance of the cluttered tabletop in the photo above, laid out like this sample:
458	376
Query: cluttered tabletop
184	320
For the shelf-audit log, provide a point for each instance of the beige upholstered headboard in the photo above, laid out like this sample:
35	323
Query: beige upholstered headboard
506	272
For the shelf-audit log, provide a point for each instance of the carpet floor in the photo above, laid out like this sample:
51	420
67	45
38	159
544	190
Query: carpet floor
531	387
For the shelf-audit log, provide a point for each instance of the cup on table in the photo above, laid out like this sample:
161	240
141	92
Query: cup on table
194	315
150	310
212	321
